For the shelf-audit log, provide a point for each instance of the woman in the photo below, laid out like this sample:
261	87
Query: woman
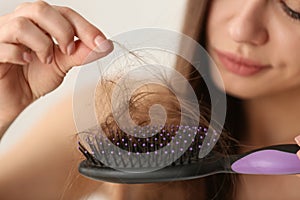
261	85
242	40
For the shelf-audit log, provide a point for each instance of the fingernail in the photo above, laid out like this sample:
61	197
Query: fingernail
71	48
297	139
49	59
27	57
103	45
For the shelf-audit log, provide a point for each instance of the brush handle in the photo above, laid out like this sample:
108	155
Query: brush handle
279	159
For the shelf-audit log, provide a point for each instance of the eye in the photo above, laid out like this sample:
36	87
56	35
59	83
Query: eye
289	11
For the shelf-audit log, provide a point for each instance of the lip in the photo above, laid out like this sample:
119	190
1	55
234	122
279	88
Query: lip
239	65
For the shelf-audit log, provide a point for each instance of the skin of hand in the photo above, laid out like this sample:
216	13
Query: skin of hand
297	139
37	49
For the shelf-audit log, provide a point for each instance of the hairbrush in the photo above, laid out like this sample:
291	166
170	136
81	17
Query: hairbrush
98	149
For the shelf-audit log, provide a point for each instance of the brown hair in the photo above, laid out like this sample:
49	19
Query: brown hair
216	187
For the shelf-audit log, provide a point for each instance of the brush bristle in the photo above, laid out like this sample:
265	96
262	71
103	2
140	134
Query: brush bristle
144	142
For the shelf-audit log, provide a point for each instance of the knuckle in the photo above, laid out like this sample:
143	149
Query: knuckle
22	5
66	10
19	24
40	8
69	30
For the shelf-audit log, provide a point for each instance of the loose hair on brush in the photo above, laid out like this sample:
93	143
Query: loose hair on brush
139	104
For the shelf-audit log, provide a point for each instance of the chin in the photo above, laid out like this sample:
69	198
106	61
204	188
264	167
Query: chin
246	93
241	94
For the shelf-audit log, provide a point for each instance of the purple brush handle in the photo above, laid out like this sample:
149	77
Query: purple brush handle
267	162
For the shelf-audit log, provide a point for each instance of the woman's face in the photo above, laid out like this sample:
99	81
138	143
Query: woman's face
255	45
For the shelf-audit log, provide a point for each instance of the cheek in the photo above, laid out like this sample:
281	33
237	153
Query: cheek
284	53
219	18
284	39
214	24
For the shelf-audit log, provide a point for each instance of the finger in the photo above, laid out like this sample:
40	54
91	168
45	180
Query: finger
91	36
297	139
81	56
21	30
14	54
3	19
51	21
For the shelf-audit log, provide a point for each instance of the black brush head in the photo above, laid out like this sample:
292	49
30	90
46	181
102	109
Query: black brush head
144	155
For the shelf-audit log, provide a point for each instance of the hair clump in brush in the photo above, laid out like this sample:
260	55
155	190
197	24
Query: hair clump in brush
139	105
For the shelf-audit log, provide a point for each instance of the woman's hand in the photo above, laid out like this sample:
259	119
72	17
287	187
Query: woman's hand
31	63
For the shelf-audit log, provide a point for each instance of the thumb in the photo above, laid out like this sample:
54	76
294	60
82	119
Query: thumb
82	55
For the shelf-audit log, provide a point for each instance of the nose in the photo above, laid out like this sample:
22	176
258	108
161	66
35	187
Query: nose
248	24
